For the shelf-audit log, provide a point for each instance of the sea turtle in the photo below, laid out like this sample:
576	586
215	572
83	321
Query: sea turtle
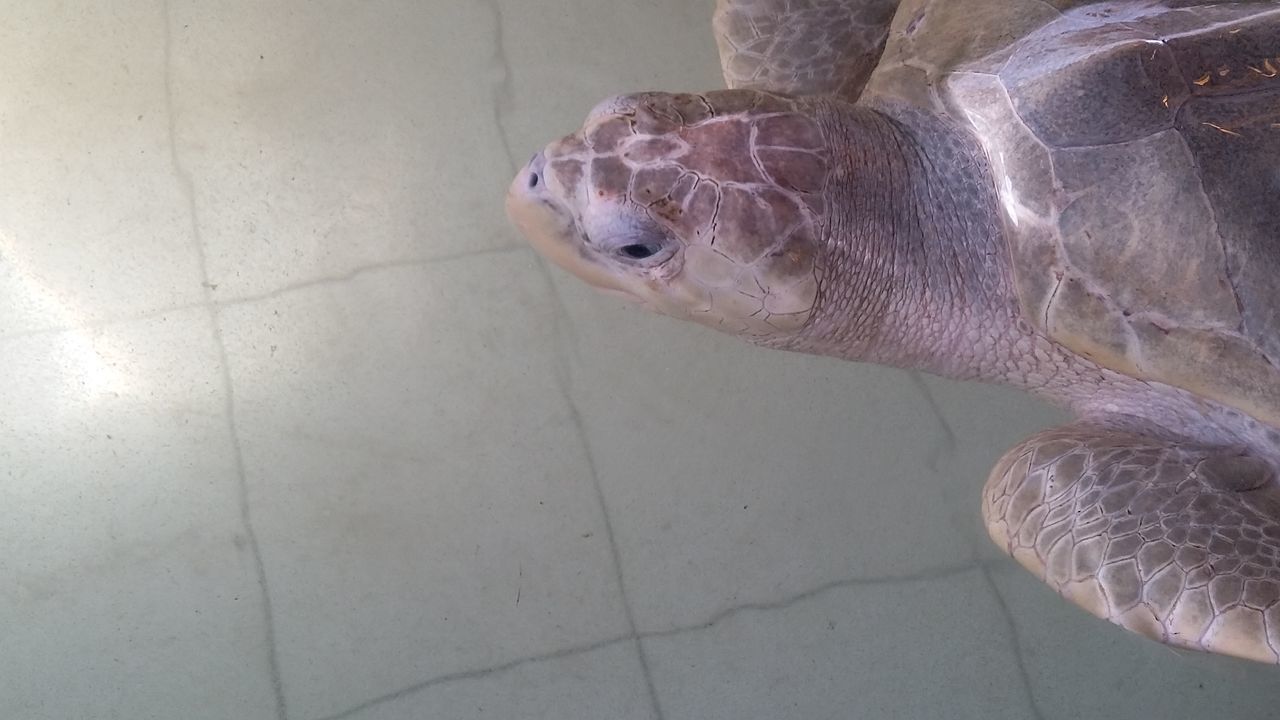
1080	199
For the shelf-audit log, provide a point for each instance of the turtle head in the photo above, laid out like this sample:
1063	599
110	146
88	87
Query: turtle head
704	207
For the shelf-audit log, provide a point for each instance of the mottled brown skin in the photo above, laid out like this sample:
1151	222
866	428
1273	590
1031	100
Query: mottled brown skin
1047	195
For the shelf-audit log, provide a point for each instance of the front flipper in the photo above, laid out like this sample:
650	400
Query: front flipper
802	47
1178	542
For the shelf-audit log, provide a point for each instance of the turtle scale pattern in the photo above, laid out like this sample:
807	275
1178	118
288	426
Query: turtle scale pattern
1136	532
662	156
1136	147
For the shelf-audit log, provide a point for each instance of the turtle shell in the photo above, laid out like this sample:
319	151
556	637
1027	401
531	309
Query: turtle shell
1135	148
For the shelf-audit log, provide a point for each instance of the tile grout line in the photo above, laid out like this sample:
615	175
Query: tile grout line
342	277
932	574
927	575
502	97
947	446
246	516
476	675
101	323
187	186
1015	641
613	546
985	566
359	270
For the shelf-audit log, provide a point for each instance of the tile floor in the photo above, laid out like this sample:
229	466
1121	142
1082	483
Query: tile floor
293	426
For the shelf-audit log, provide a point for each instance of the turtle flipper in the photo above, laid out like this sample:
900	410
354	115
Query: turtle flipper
802	47
1178	542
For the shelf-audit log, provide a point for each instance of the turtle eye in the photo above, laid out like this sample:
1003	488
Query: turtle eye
638	246
640	251
650	249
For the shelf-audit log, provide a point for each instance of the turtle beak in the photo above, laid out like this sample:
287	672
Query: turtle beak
549	226
543	220
528	191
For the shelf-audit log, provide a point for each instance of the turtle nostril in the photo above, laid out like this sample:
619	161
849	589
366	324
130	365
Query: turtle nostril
536	165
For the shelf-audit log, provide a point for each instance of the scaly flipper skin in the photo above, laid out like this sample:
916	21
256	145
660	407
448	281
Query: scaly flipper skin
802	47
1177	542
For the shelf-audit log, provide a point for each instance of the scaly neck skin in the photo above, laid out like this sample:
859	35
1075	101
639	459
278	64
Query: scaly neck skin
917	271
919	276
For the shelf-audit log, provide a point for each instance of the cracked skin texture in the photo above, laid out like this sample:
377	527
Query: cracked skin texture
1073	198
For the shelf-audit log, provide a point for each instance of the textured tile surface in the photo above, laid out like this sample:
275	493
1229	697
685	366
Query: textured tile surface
292	426
425	503
320	137
599	683
744	476
94	224
850	652
128	581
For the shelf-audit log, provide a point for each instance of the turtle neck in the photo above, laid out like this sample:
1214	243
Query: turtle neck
917	273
